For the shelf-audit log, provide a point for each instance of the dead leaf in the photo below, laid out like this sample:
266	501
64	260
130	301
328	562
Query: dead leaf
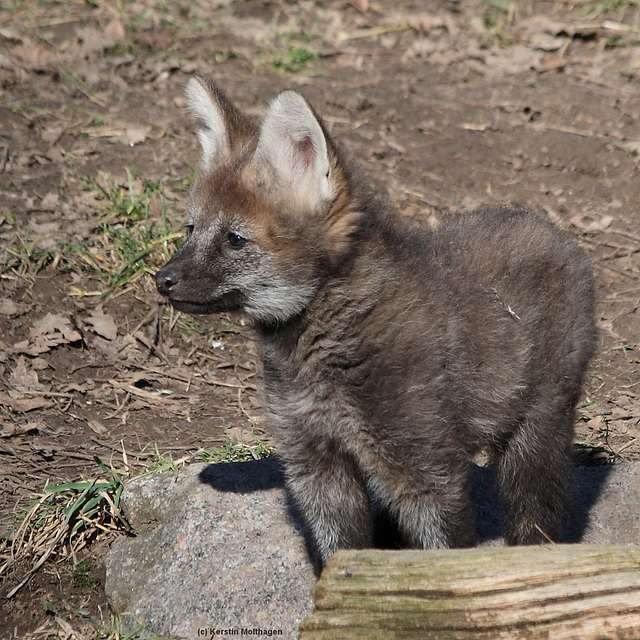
426	22
550	62
47	333
30	348
8	307
154	38
55	323
473	126
49	202
12	430
595	423
36	57
136	135
589	224
545	42
52	134
24	378
22	404
105	131
542	24
363	5
10	34
238	434
632	146
128	135
371	32
93	41
102	323
512	61
45	235
5	63
115	31
40	364
97	427
79	388
5	400
426	47
620	413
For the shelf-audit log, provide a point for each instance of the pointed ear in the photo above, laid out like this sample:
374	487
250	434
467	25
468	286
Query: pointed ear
221	127
294	143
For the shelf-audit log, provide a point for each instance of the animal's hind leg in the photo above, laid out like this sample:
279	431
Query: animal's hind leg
534	467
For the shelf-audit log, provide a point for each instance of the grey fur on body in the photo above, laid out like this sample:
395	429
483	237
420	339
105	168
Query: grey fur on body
391	354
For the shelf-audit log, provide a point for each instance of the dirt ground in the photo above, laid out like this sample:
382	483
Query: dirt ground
445	105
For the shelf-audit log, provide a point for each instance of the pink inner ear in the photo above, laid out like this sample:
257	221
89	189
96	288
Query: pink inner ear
306	151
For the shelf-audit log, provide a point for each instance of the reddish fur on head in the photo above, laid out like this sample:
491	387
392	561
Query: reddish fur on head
282	188
287	173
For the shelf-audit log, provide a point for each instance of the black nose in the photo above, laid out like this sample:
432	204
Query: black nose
166	279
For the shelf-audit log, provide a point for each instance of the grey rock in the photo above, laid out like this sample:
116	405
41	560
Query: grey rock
218	547
601	509
606	499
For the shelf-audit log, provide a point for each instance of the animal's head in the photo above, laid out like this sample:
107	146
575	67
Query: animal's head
270	214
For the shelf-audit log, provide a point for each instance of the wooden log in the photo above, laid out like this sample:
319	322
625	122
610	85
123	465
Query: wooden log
562	592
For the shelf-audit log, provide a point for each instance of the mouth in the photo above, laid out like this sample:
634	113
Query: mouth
230	301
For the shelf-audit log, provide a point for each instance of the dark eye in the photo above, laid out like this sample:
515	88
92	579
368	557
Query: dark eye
189	229
236	241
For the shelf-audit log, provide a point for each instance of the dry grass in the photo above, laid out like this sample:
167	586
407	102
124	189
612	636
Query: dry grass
61	521
64	519
71	625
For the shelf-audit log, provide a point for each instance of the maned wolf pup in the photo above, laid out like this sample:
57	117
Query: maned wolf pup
391	355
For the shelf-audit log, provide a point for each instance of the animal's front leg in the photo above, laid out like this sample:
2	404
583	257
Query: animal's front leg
428	496
328	488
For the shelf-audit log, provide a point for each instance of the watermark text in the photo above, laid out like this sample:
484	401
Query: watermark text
216	632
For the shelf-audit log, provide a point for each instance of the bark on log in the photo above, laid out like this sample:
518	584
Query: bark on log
563	592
